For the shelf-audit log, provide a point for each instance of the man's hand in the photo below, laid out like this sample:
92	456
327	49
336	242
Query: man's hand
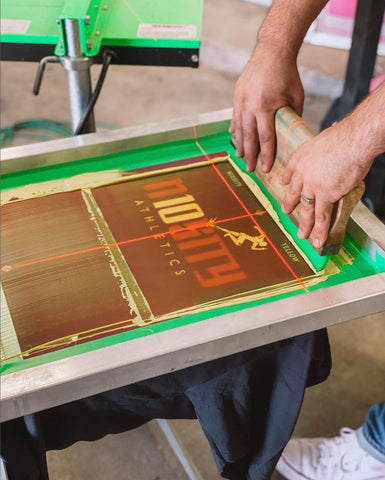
331	164
271	80
268	82
319	173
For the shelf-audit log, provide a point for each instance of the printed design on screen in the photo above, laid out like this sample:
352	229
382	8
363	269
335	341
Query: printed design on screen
150	245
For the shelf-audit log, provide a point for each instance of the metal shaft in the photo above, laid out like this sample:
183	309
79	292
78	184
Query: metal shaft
79	77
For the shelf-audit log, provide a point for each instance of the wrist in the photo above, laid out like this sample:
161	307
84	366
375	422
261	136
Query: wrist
286	25
272	52
278	46
357	142
366	126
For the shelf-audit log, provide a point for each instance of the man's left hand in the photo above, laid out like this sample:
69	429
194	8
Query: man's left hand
318	174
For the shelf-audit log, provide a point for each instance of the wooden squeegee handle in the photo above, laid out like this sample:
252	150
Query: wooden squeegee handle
291	133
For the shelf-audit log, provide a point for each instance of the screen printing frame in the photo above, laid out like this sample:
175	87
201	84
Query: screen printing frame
82	375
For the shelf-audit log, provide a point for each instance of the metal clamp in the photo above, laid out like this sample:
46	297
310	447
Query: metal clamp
77	64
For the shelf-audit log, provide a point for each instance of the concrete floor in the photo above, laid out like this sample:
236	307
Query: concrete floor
134	95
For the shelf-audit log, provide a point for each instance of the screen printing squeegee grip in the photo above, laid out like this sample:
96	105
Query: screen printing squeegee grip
291	133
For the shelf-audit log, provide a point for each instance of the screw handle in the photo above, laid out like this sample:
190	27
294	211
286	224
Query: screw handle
40	72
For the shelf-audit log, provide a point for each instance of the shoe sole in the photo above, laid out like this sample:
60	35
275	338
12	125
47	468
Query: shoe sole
289	472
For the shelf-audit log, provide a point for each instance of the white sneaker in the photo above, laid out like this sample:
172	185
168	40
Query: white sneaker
338	458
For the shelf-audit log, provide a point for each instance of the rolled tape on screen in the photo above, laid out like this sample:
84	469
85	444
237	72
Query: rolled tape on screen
291	133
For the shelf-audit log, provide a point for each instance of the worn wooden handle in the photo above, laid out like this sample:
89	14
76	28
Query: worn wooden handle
291	133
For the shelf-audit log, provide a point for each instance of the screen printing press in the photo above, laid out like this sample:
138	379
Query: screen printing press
40	375
77	34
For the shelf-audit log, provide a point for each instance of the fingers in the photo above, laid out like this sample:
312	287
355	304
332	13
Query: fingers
254	135
315	216
250	141
307	215
293	194
244	127
323	213
266	136
315	212
236	128
285	178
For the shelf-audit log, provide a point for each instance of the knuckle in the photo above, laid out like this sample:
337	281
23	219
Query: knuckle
306	211
249	154
306	221
264	102
289	192
265	137
259	103
293	190
321	217
248	134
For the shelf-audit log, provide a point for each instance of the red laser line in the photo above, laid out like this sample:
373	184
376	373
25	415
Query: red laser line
296	122
327	297
196	226
284	261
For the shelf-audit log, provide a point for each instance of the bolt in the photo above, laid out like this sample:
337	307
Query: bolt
89	44
194	58
97	33
105	7
87	19
57	19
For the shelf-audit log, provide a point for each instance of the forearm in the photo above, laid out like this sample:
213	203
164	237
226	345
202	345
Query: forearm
365	127
286	25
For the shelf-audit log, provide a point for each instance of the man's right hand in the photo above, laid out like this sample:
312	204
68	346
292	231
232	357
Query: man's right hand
269	81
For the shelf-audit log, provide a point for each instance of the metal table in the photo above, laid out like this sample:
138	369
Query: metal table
76	377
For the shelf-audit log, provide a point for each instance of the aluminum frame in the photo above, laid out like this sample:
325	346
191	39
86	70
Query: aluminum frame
69	379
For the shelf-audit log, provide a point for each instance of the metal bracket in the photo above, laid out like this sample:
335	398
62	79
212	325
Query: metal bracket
92	17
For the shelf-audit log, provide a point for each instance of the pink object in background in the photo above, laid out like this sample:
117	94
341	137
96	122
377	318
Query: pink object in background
334	26
343	8
376	81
